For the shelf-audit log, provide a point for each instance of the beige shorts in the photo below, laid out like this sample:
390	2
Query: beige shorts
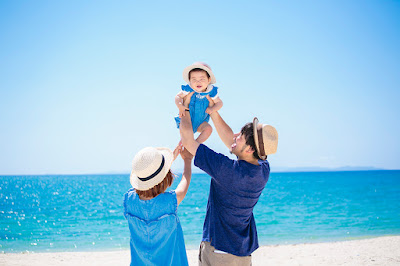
209	256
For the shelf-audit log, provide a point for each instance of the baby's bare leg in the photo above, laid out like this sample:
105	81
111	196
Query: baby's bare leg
205	130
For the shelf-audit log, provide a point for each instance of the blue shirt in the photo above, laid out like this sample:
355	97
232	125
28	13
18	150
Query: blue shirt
156	233
235	188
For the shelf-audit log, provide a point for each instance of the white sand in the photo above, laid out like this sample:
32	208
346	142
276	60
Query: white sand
375	251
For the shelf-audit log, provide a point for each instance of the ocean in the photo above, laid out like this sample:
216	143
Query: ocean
85	213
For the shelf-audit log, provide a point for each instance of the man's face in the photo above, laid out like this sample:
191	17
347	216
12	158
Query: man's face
199	81
239	144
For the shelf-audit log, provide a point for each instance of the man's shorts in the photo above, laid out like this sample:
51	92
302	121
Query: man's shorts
208	255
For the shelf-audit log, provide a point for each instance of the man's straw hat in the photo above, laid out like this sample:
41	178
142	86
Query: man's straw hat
200	65
265	138
150	166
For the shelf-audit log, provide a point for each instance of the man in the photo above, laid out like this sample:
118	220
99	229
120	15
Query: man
229	232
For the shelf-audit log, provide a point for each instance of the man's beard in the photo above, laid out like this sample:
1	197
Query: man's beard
233	153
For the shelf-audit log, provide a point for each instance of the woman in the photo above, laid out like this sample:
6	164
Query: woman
156	233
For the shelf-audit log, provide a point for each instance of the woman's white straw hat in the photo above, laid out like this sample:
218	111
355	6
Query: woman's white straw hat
265	138
200	65
150	166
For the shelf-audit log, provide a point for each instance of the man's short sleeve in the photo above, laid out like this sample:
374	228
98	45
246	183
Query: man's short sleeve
217	165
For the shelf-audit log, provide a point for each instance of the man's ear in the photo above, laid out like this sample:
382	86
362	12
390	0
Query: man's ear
249	149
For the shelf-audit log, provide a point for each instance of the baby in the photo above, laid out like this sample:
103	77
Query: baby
199	78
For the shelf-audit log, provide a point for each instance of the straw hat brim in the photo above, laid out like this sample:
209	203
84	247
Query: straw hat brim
191	67
269	135
255	126
145	185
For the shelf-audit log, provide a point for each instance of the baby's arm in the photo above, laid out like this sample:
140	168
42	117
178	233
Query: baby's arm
179	103
217	105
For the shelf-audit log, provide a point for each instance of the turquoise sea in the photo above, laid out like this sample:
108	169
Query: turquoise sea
84	212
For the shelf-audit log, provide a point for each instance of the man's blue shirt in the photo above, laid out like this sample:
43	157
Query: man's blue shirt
235	188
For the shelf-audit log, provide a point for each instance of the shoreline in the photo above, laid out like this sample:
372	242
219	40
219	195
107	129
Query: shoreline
287	243
382	250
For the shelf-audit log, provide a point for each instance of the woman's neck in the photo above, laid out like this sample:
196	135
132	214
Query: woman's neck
144	198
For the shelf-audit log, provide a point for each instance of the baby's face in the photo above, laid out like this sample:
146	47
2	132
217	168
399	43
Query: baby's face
199	81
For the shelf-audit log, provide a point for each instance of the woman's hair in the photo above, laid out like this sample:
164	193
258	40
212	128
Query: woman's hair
248	133
158	189
197	70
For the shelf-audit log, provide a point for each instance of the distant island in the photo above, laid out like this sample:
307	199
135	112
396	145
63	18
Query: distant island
325	169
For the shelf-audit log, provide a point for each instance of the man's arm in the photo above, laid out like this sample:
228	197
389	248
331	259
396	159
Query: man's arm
186	130
224	131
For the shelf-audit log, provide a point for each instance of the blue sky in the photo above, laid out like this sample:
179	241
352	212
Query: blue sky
84	85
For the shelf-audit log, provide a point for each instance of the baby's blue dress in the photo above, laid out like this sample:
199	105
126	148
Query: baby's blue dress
156	233
197	106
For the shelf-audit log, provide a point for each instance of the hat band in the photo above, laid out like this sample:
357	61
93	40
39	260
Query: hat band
260	142
155	173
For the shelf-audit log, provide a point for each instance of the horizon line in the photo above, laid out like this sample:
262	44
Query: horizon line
289	170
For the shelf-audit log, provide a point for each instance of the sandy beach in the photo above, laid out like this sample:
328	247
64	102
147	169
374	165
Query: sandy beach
374	251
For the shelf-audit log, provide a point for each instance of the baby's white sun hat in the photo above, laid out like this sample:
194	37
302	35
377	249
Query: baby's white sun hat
200	65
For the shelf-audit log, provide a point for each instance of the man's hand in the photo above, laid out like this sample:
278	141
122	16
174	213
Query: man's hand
213	106
211	102
182	110
186	155
210	110
183	105
224	131
187	98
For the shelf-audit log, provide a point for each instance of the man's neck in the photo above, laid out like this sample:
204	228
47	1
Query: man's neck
251	159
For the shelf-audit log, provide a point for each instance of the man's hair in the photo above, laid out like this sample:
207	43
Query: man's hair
158	189
198	70
248	133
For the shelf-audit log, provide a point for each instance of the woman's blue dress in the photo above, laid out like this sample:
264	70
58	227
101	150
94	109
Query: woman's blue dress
156	233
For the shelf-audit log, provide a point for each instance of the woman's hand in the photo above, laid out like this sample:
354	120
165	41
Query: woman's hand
178	150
